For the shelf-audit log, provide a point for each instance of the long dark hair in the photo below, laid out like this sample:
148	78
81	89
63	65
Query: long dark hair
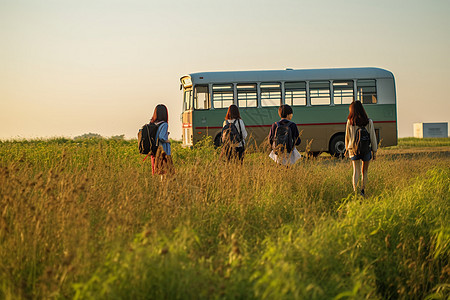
160	114
357	115
232	113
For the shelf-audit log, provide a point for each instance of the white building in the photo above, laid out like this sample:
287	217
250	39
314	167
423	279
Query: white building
430	130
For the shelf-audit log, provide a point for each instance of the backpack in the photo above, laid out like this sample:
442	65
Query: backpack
283	140
147	139
230	134
362	141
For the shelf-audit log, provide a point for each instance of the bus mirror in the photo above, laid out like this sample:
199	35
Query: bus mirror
181	87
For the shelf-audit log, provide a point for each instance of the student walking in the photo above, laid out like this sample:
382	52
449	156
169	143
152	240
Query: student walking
233	134
283	138
162	159
360	143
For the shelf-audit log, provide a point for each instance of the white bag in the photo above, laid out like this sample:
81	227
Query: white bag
286	159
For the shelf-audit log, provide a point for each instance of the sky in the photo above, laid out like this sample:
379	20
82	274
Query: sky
72	67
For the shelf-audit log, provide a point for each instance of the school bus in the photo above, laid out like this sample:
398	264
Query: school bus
319	99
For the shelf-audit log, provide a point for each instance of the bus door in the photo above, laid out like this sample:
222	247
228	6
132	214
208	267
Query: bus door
186	117
199	113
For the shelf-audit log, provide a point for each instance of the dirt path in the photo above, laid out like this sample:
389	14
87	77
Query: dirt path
409	152
405	152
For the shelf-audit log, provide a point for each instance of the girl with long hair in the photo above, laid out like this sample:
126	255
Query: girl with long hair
357	119
162	161
233	117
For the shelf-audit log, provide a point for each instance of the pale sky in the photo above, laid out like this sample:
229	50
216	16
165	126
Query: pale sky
71	67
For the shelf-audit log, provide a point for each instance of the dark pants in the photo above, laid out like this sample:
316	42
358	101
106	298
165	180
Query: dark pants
234	152
240	152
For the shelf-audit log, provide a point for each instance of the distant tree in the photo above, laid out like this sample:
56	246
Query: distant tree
118	137
88	136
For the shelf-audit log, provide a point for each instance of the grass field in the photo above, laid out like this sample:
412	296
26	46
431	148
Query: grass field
405	143
86	220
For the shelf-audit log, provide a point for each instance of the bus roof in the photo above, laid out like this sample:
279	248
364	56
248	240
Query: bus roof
289	75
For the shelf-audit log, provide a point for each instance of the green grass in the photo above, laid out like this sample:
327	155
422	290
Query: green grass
425	142
85	219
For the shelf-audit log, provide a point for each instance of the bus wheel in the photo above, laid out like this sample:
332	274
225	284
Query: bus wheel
218	140
337	146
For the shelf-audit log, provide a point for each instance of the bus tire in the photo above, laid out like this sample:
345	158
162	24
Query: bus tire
337	146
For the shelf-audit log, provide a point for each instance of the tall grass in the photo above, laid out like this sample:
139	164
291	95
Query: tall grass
85	219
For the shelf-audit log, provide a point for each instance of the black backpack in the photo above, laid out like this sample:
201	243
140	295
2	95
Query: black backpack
230	134
362	141
283	140
147	139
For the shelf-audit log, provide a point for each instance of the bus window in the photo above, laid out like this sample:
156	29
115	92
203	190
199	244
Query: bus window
367	91
343	91
295	93
201	97
319	92
247	95
270	94
187	101
222	95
